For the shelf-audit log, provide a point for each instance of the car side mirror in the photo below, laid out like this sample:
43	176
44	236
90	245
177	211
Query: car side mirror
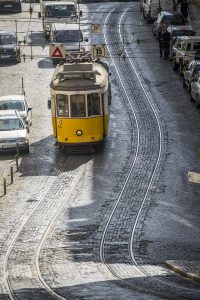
86	40
30	109
49	103
39	14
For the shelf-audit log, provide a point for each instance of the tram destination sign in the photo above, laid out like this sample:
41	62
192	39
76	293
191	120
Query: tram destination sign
99	51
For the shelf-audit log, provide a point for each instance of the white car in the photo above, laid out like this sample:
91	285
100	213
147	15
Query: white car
195	90
13	131
17	102
70	36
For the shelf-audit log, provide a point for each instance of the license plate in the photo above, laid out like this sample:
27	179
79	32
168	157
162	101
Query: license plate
8	5
8	146
4	56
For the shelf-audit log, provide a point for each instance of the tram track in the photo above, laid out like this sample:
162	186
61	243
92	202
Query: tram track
33	231
155	173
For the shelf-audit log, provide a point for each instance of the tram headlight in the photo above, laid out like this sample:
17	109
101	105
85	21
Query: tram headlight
79	132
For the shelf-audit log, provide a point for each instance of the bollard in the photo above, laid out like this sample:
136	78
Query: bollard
4	186
17	149
17	163
11	174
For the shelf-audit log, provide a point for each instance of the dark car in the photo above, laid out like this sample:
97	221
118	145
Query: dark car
9	47
165	19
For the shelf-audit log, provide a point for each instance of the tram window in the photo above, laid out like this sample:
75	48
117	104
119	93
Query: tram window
93	104
62	106
78	108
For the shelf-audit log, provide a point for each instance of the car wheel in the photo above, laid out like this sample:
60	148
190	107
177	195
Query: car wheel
27	150
184	84
144	16
174	65
197	102
180	68
189	87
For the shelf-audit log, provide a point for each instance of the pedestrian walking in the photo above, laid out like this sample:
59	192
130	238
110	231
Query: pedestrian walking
164	42
184	8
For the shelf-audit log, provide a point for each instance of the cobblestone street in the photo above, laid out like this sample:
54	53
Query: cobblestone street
102	225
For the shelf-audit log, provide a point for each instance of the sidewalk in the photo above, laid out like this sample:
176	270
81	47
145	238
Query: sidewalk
186	268
194	12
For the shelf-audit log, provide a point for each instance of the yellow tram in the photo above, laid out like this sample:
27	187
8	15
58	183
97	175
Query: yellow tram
80	97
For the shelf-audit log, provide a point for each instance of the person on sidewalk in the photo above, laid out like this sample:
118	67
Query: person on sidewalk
184	8
164	42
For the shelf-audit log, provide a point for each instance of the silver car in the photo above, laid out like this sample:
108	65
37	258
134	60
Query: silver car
190	73
19	103
195	90
9	46
14	133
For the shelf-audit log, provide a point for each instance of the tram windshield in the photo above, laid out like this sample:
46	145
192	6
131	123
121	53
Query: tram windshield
93	101
62	105
78	106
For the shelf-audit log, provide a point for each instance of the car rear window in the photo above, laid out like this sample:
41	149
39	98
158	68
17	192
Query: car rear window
182	32
177	20
197	68
196	46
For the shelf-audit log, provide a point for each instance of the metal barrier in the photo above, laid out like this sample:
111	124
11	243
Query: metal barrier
7	178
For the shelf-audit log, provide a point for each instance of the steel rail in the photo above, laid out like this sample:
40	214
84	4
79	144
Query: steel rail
70	194
101	249
8	285
156	113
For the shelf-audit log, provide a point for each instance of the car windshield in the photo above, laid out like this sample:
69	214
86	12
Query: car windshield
64	36
11	124
59	11
14	104
7	39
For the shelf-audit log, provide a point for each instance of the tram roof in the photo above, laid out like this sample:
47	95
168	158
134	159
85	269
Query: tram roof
79	77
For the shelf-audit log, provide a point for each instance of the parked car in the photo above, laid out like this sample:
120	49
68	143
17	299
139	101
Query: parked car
13	131
17	102
151	8
195	90
70	36
180	30
184	50
190	73
165	19
9	47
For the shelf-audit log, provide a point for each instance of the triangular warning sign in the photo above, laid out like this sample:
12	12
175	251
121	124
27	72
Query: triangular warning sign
57	53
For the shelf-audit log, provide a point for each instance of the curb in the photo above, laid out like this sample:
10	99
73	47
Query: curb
177	268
